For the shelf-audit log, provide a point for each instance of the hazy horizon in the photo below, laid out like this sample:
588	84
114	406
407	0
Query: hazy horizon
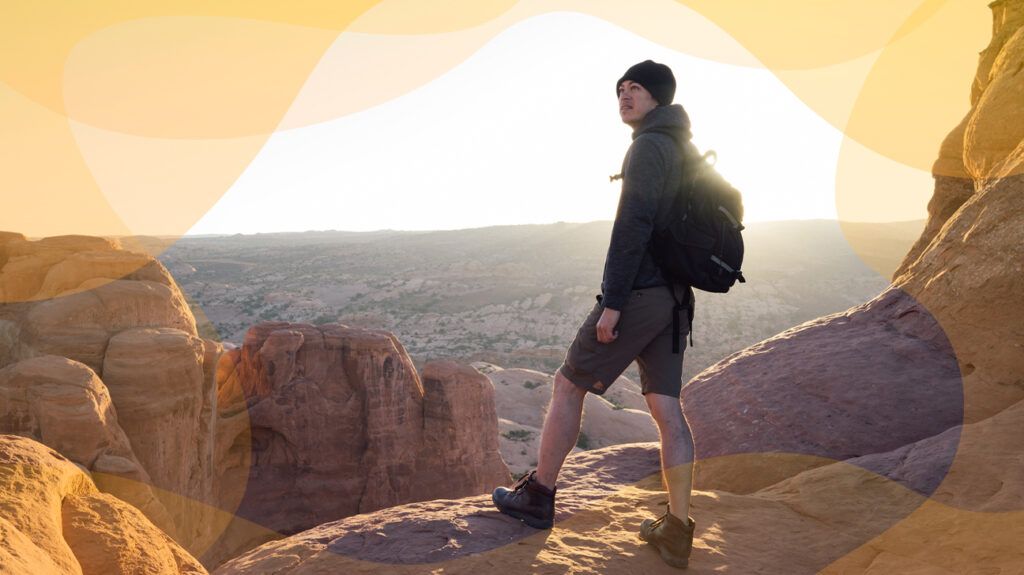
425	230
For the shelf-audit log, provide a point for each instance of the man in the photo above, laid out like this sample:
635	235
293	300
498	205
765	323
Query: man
631	320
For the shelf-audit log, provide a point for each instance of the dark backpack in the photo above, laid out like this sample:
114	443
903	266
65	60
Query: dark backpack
701	245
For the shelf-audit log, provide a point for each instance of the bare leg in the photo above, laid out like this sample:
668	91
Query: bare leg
676	451
561	429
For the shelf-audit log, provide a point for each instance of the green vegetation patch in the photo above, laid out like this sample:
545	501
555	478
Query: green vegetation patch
583	442
518	435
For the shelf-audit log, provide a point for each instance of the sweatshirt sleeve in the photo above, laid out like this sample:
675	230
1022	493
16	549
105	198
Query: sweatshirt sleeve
643	178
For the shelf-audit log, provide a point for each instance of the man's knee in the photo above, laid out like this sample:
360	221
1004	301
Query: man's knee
667	413
564	387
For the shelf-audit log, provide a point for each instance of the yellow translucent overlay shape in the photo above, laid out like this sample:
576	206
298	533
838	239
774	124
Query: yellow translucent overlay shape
124	118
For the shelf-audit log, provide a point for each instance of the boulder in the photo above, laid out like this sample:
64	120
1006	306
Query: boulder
74	270
459	448
872	379
63	404
25	264
125	542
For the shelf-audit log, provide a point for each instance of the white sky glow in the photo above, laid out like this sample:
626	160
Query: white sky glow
526	130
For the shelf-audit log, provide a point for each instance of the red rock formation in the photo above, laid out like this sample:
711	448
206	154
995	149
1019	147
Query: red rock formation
53	520
339	423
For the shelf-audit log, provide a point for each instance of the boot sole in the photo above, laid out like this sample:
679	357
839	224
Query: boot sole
673	561
527	519
666	556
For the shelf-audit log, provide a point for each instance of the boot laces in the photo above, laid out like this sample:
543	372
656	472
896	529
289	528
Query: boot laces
523	481
659	521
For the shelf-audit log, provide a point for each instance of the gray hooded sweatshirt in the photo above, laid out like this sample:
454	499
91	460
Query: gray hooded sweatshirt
651	172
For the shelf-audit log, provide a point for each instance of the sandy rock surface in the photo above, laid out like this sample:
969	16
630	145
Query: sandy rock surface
54	520
838	518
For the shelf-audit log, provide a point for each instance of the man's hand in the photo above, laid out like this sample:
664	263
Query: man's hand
606	332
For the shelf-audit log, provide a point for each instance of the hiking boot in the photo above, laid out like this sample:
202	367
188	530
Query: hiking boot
528	501
672	537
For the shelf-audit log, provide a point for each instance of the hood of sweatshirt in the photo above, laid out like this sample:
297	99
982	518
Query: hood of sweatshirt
671	120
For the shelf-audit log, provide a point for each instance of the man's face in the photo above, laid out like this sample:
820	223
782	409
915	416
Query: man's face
634	103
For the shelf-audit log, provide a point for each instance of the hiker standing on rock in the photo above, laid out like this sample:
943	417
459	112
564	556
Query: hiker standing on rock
633	319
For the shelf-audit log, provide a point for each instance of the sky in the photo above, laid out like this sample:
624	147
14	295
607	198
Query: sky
526	130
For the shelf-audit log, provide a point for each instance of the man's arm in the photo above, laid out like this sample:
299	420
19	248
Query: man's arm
643	178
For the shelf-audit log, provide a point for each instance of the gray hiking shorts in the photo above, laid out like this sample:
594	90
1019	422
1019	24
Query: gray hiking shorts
645	334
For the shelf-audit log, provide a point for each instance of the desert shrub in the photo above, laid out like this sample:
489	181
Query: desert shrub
518	435
583	442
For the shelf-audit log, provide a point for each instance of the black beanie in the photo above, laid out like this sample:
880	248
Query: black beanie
654	77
